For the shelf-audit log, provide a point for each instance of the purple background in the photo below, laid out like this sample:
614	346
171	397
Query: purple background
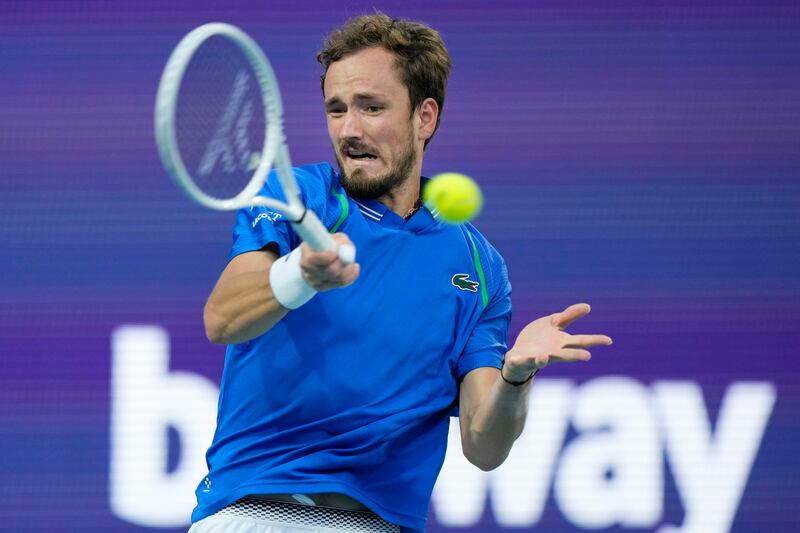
642	157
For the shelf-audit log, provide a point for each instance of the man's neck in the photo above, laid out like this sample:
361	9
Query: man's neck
404	199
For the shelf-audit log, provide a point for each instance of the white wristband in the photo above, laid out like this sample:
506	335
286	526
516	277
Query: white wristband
287	283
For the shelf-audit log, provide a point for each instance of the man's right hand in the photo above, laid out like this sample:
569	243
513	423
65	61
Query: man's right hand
242	304
325	270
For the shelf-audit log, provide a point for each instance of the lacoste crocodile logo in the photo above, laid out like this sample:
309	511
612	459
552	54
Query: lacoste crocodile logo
463	282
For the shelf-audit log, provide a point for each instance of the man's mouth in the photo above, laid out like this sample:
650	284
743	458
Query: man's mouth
359	155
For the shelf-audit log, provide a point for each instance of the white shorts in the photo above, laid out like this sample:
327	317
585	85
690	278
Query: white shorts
250	515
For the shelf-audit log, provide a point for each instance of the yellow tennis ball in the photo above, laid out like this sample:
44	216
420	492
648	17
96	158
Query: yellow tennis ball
456	197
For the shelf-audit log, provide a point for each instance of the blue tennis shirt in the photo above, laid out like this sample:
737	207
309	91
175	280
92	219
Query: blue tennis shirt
353	391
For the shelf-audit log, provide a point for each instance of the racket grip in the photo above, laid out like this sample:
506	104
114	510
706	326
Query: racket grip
311	230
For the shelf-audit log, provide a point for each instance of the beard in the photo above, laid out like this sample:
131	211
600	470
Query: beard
357	183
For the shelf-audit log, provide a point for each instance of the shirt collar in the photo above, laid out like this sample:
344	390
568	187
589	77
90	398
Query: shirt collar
376	212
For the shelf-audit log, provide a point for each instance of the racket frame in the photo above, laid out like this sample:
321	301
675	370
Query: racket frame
274	152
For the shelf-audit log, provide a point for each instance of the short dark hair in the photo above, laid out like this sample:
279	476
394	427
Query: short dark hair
422	59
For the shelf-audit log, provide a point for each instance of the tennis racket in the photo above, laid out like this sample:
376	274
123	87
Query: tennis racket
219	129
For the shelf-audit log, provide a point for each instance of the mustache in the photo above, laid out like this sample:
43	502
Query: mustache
356	146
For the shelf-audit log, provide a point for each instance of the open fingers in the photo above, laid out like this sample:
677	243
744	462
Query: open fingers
567	355
587	341
570	314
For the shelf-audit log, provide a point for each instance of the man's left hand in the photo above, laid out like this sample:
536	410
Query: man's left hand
544	341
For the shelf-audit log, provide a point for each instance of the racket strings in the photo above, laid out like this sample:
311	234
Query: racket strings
220	119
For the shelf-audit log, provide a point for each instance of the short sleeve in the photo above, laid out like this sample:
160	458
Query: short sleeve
257	227
488	342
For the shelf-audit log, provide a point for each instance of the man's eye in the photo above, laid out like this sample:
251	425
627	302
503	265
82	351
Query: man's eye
374	108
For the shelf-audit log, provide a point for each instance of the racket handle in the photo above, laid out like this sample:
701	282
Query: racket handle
311	230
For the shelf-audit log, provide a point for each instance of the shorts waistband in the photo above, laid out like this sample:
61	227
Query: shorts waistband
309	516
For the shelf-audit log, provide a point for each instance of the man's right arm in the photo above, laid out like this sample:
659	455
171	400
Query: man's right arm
242	305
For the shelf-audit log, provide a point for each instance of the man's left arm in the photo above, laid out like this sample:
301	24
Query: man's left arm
494	403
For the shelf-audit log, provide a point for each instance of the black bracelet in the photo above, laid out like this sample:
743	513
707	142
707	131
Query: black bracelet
518	383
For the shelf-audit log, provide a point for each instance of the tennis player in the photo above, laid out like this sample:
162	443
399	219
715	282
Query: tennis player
340	379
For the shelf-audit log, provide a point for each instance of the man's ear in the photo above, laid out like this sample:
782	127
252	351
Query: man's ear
428	115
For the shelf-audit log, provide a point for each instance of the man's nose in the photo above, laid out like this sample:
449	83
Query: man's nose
351	126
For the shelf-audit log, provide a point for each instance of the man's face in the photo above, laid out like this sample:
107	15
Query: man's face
369	122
